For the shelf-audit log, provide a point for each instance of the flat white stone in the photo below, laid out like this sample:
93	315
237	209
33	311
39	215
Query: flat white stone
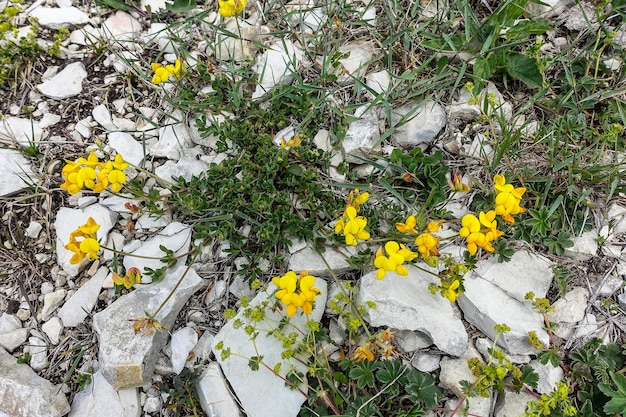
215	397
260	391
24	393
102	116
38	353
525	272
426	362
82	302
354	66
62	17
548	376
173	140
100	399
12	335
53	328
121	26
455	370
22	132
127	359
571	307
276	66
68	220
514	403
405	303
187	167
48	120
51	302
308	259
15	172
585	246
33	230
176	237
126	145
417	124
484	305
183	341
362	136
378	81
67	83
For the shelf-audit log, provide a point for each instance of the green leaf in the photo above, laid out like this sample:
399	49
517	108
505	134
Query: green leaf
529	376
115	4
524	69
363	373
485	67
421	388
524	28
617	405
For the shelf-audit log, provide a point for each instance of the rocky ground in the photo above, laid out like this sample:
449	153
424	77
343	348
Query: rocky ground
70	328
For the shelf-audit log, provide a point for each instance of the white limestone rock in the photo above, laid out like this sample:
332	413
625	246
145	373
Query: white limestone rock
476	406
426	362
484	305
183	341
53	328
417	124
23	393
571	307
12	335
67	83
125	144
59	17
525	272
549	8
276	66
405	303
173	140
455	370
308	259
410	341
461	109
81	303
585	246
100	399
379	81
19	131
15	172
51	302
188	166
259	391
68	220
363	136
354	66
214	393
511	403
33	229
127	359
176	237
121	27
229	47
548	376
38	353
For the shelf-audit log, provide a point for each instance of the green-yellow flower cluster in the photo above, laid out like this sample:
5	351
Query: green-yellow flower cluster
296	292
88	246
350	224
162	73
397	254
93	174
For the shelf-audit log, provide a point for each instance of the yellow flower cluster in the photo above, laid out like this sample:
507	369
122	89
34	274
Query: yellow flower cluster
294	291
350	225
507	199
132	277
397	254
381	345
425	241
88	246
93	174
162	73
480	231
228	8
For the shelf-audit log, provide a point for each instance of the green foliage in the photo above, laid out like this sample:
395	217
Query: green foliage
417	178
183	397
20	51
595	369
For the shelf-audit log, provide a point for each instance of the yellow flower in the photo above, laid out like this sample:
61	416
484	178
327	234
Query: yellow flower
508	199
93	174
132	277
452	291
296	292
397	254
427	245
161	74
88	246
408	226
351	225
229	8
475	235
